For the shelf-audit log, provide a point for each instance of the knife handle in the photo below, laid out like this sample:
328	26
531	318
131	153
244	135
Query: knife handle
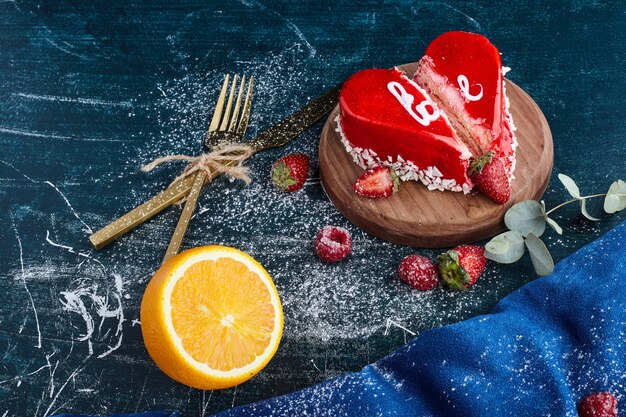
143	212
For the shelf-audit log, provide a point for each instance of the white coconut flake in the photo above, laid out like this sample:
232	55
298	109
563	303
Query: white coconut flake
509	118
432	177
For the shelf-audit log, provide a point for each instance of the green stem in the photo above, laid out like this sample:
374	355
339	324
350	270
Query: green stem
581	198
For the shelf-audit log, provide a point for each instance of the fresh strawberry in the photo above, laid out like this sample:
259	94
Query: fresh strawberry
490	177
377	182
598	404
332	243
290	172
460	267
419	272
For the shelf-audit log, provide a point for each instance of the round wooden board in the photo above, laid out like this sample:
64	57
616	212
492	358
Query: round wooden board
418	217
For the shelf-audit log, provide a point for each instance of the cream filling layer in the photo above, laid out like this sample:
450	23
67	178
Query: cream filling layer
447	98
435	83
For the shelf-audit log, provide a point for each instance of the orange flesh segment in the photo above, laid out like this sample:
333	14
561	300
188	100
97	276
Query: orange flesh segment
223	314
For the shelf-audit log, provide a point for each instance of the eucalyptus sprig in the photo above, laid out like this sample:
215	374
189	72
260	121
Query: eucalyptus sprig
527	221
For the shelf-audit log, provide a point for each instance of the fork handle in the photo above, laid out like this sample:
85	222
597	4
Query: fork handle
185	216
143	212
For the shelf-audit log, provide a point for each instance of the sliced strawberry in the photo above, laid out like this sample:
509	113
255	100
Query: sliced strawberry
377	182
490	176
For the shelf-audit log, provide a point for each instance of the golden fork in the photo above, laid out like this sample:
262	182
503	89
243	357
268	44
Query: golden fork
279	134
224	127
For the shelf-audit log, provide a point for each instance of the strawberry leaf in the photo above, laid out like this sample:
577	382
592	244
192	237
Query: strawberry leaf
396	180
525	217
539	255
570	185
477	165
506	248
451	273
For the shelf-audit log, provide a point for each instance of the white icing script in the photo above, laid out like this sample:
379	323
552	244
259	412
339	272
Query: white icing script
420	113
464	86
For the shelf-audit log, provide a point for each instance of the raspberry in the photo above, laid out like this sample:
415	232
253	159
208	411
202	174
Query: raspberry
419	272
333	243
598	404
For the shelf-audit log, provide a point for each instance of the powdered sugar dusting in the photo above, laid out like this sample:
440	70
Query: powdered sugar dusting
351	300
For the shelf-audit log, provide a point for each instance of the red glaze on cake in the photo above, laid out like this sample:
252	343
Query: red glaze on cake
463	73
386	118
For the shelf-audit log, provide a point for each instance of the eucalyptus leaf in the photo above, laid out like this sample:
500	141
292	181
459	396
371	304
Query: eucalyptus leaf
525	217
583	209
618	186
505	248
539	255
571	186
554	225
617	190
611	203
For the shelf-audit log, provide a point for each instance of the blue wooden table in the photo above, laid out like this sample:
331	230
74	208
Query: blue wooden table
91	91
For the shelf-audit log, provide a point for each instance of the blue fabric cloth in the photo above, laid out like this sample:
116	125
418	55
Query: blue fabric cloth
538	352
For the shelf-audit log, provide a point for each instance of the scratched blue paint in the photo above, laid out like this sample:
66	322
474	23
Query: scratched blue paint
90	91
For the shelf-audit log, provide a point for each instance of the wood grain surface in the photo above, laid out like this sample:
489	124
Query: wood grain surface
418	217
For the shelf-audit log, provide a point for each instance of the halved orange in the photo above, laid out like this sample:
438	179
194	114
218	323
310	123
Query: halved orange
211	317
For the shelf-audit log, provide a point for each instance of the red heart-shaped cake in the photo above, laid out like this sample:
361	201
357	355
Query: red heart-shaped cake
385	118
429	128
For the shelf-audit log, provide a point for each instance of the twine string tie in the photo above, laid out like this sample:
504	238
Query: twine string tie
226	159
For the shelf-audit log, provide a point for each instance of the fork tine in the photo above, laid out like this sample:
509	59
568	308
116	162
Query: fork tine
219	106
235	116
229	105
245	114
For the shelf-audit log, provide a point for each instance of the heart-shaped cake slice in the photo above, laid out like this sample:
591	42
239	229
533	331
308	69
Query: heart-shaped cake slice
386	118
463	74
